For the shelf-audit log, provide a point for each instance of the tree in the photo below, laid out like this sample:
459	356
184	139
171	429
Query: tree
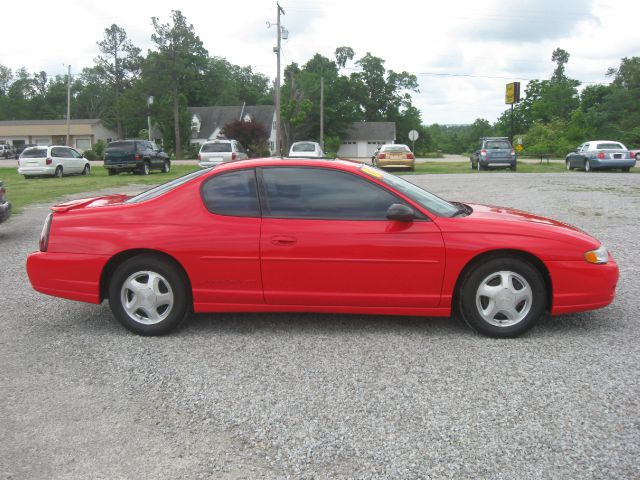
119	63
561	57
250	134
180	60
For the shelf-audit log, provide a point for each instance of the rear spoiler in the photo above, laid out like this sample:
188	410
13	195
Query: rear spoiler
89	202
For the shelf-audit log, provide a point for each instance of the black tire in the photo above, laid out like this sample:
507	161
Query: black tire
58	173
568	165
86	170
472	167
171	281
480	167
514	168
145	168
166	166
626	169
526	312
587	166
112	172
637	157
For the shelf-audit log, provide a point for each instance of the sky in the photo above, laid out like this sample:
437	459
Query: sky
462	52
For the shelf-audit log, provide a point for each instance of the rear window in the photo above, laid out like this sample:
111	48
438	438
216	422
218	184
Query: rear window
121	147
610	146
34	153
395	148
498	145
166	187
304	147
216	147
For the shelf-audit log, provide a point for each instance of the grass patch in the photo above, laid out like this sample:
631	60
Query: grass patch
22	192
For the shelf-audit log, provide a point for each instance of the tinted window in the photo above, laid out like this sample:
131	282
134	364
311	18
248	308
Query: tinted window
395	148
126	146
232	193
216	147
609	146
498	144
296	192
34	153
60	152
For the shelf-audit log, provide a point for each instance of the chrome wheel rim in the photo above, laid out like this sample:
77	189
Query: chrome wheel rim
147	297
504	298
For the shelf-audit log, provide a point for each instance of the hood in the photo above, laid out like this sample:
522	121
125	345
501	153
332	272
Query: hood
491	212
90	202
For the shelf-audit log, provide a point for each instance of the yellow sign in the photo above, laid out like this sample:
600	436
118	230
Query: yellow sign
519	147
512	93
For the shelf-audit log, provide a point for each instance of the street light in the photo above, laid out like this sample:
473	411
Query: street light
149	103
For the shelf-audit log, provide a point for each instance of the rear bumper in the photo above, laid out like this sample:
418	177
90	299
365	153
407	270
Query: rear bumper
579	286
123	165
497	162
37	171
389	163
67	275
622	163
5	211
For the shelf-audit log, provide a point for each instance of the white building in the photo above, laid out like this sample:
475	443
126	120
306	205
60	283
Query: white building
363	138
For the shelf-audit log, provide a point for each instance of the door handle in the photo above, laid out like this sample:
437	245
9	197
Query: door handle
283	241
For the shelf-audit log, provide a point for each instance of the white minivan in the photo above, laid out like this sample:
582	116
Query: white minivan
54	161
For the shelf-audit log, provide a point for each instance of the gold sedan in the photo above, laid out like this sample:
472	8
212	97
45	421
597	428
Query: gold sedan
394	155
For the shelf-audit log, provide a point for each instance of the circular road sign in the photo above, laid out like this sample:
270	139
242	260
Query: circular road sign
413	135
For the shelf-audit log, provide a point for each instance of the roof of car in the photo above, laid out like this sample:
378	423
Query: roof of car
290	161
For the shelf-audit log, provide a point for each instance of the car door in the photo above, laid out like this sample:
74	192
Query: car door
325	240
59	157
228	249
76	159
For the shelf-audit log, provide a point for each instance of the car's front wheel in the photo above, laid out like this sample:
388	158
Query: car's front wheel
587	166
149	295
86	170
502	297
567	164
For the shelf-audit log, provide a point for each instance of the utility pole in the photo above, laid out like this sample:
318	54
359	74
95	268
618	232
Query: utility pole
277	51
149	103
322	113
68	104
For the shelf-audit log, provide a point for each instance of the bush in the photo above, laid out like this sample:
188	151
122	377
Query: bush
98	148
90	155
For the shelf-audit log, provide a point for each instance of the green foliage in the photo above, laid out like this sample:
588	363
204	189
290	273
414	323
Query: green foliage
99	147
90	155
331	146
252	135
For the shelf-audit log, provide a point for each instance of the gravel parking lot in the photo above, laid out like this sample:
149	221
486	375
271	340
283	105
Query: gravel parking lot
303	396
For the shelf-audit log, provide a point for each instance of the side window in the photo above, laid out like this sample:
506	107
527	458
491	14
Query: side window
315	193
585	147
73	153
233	193
58	152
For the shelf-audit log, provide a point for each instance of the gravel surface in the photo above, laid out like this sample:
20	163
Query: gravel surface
301	396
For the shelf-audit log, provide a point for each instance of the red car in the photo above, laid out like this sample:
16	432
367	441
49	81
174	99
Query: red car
276	235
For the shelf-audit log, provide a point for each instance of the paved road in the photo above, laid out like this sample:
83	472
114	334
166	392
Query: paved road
304	396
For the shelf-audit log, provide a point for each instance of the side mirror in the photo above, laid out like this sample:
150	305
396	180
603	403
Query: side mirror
401	213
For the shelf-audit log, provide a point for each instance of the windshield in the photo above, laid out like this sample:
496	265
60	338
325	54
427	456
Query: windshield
34	153
304	147
126	146
216	147
427	200
166	187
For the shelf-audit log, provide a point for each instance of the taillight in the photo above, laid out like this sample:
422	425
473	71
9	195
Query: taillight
513	153
234	155
138	157
382	156
483	153
199	157
49	161
410	156
601	155
44	236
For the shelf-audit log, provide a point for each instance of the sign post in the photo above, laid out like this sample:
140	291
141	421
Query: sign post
511	96
413	136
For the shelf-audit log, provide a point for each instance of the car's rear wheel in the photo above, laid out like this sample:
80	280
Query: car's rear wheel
149	295
637	157
145	168
626	169
86	170
502	297
514	167
166	166
58	172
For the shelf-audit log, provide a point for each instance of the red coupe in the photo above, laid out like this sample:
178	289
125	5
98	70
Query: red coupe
277	235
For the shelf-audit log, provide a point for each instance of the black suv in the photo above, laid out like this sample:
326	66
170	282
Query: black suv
494	152
139	156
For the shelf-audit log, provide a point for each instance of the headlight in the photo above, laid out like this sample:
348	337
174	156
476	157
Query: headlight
600	255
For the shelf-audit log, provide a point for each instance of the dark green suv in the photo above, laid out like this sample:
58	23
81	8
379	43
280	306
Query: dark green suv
139	156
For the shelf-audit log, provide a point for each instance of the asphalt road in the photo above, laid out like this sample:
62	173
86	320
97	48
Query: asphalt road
301	396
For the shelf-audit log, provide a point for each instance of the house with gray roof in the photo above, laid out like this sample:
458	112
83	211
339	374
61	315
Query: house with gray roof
207	122
362	139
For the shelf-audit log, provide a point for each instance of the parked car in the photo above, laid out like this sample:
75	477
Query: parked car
215	152
5	150
394	155
600	155
135	156
306	149
5	205
494	152
635	154
287	235
52	160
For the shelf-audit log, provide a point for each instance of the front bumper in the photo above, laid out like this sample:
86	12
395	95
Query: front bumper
5	211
